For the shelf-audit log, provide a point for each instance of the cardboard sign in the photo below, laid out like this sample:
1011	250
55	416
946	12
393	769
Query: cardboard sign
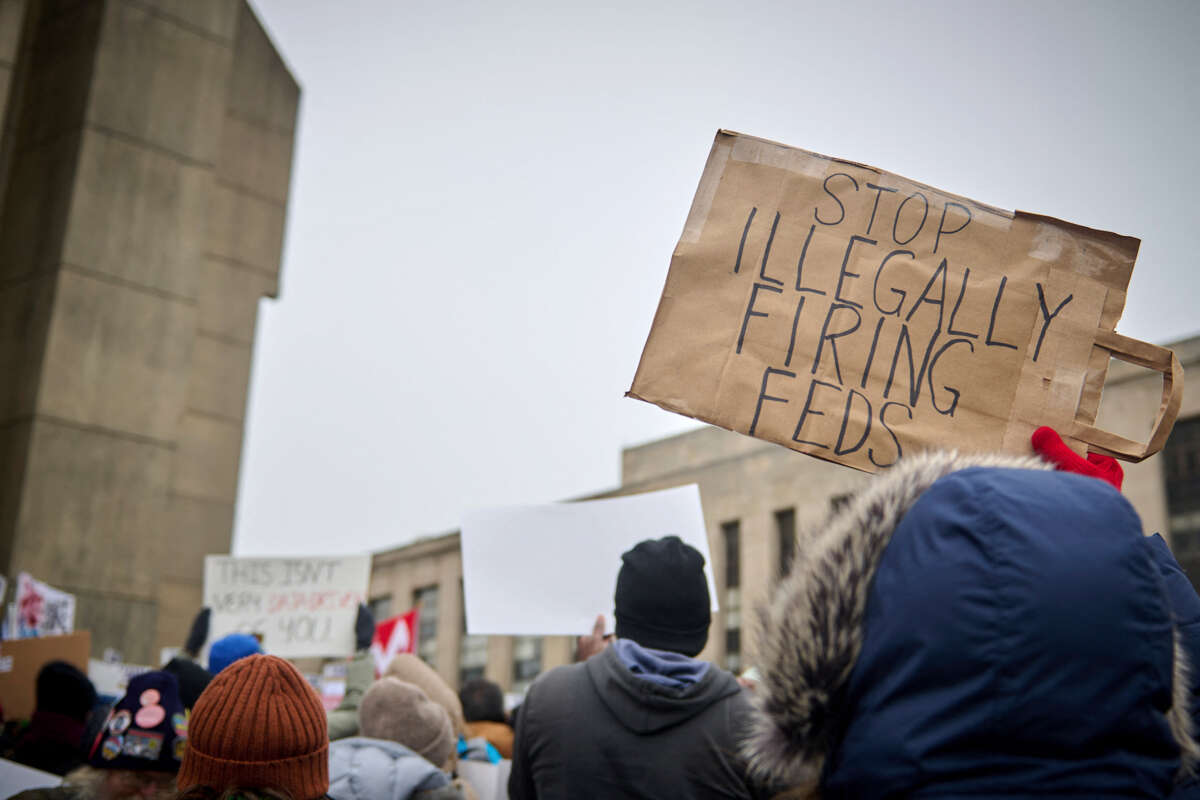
301	607
856	315
393	637
43	610
549	570
24	657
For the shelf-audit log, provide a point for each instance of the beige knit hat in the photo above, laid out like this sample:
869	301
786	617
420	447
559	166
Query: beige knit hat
407	667
258	724
400	712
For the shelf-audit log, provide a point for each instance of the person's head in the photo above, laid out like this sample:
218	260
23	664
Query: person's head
662	599
140	746
258	725
979	625
482	701
90	783
407	667
63	689
193	679
235	793
401	712
228	649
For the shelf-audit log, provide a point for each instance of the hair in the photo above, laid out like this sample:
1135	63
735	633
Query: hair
233	793
482	701
90	781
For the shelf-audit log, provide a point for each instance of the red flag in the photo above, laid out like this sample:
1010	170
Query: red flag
392	637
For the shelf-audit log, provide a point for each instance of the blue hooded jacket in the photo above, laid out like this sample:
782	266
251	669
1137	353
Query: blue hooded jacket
1014	640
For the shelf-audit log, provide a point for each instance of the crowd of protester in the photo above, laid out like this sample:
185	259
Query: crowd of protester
966	626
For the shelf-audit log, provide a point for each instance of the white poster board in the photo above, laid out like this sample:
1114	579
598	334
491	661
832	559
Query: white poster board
549	570
43	610
302	607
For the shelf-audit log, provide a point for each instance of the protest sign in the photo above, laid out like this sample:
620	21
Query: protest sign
43	610
392	637
301	607
856	315
16	778
20	660
550	569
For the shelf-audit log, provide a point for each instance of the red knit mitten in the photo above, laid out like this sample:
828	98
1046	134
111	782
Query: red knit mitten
1050	446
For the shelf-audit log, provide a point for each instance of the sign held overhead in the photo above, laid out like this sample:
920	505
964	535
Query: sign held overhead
856	315
549	570
301	607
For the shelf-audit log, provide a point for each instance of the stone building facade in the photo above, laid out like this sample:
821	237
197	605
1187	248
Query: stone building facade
757	499
145	162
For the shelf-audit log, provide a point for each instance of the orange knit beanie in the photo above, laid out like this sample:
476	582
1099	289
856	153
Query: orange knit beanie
258	725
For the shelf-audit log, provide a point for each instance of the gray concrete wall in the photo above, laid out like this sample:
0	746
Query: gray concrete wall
130	272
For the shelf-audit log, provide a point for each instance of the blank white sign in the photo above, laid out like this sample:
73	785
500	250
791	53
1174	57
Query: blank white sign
549	570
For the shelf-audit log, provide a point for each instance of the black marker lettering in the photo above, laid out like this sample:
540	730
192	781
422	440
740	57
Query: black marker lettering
812	387
742	245
750	312
1047	316
961	291
940	302
837	447
915	378
949	412
826	335
990	342
879	190
942	225
892	433
787	362
800	263
900	210
871	354
900	293
762	272
844	273
762	393
841	208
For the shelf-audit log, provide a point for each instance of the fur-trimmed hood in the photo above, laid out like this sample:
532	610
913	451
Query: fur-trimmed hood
973	621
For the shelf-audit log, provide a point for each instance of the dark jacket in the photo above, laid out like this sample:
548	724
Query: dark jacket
596	730
1185	605
52	743
964	628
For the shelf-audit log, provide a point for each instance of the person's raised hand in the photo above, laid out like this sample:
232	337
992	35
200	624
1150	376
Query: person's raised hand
364	628
593	643
1050	446
198	635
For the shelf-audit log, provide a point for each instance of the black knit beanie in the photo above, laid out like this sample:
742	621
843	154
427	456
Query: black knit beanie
193	679
662	599
64	689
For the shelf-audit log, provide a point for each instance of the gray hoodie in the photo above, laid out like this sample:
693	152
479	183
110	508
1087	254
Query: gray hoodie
376	769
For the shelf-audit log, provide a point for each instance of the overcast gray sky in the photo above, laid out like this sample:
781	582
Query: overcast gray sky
485	198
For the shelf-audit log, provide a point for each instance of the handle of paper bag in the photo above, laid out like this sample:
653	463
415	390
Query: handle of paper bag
1151	356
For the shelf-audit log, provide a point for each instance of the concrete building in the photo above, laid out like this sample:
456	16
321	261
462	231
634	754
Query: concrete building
756	497
145	161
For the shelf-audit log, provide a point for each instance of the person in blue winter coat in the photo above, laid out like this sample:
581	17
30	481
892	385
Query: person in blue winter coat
976	626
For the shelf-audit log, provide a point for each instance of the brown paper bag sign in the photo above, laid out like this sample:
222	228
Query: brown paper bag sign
856	315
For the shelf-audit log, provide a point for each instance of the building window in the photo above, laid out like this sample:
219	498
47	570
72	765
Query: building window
731	536
472	650
1181	469
527	661
426	601
381	607
785	526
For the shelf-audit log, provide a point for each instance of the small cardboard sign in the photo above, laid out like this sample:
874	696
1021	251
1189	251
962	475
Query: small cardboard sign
301	607
550	569
856	315
26	656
